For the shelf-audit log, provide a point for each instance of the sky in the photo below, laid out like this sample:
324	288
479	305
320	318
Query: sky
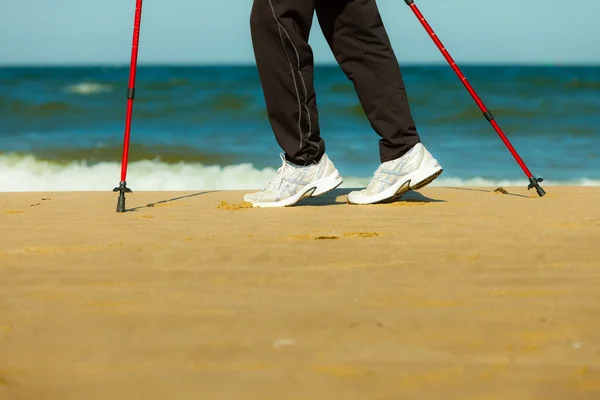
68	32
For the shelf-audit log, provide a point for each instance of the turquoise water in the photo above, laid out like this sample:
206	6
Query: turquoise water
206	127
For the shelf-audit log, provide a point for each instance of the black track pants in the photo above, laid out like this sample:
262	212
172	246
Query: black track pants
355	32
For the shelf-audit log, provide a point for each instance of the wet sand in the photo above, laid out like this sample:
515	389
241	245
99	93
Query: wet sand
451	293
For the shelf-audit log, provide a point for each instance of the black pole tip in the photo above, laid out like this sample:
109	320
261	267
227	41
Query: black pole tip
122	189
409	2
535	184
121	203
541	192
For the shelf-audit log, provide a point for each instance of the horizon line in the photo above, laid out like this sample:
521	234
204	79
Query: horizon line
316	65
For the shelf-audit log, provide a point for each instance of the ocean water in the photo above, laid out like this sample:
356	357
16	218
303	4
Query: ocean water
197	128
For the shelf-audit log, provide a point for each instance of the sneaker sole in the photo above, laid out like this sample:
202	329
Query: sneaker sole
419	185
316	189
420	182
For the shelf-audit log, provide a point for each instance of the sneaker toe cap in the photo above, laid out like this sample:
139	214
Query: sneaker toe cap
252	198
259	197
356	197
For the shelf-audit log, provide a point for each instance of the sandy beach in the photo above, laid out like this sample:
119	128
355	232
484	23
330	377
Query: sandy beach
451	293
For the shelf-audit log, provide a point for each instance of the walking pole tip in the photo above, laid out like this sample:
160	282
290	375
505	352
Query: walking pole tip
535	184
122	189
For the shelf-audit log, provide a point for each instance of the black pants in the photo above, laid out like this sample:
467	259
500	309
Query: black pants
360	44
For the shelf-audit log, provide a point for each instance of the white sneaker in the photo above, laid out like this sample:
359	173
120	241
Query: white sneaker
294	183
413	171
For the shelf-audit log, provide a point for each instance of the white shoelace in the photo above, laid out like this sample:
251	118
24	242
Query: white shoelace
275	183
377	175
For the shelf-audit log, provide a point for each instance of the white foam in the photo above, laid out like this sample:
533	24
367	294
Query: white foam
87	88
26	173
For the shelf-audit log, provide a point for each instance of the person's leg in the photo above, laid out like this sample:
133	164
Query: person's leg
355	32
280	31
358	39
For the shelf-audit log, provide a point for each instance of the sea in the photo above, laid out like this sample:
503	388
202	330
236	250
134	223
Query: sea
206	127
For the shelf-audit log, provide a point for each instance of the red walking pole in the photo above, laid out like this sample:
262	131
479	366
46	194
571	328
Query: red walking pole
534	182
122	188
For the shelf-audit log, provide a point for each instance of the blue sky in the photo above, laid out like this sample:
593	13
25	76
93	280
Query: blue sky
208	32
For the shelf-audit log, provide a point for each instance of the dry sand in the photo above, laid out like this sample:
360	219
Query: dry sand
453	293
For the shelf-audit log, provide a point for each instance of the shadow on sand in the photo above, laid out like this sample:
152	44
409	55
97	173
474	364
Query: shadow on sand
150	205
339	196
335	197
489	191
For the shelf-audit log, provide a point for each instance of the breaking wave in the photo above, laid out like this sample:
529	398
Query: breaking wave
26	173
88	88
